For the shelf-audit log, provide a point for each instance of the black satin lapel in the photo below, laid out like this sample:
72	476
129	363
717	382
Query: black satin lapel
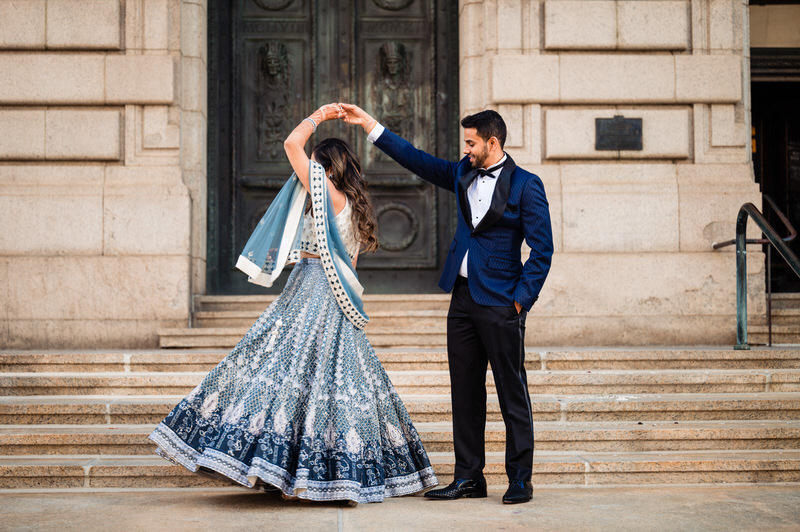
463	200
499	197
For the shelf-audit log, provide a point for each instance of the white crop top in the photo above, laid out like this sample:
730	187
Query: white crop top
344	224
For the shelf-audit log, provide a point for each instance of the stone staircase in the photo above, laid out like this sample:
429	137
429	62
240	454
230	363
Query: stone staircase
785	322
79	420
394	320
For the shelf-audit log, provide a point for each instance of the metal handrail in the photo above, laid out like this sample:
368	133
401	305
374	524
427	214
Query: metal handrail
791	236
772	237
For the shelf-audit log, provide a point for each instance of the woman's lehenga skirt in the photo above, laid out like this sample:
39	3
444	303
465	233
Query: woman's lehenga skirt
302	403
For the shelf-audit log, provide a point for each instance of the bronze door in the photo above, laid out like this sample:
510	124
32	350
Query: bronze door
272	62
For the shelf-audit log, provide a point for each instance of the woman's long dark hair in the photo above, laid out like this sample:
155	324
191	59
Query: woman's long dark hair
344	169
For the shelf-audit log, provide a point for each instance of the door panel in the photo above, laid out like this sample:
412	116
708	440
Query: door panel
776	160
272	62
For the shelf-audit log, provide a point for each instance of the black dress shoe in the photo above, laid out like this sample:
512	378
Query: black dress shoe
460	487
518	491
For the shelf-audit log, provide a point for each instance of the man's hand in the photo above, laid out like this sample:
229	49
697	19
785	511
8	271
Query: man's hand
518	307
355	115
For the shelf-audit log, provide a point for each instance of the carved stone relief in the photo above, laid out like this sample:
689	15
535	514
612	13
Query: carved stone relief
392	96
273	99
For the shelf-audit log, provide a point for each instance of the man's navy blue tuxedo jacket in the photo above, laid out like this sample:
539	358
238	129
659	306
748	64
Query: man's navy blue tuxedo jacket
519	210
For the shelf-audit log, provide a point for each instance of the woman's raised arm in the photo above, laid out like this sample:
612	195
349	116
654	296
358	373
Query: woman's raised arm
294	145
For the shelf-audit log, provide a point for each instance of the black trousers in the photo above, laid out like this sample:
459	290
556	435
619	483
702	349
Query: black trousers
477	334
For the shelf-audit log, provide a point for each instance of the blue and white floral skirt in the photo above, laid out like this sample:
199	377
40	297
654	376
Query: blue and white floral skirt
301	403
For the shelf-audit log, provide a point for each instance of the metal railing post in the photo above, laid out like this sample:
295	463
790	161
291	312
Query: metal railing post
741	281
769	296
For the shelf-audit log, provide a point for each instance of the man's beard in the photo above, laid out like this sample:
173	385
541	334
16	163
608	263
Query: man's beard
478	160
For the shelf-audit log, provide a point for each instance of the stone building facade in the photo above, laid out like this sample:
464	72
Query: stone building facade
102	149
103	185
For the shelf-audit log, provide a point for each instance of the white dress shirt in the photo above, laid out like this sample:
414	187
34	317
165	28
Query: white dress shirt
375	132
479	193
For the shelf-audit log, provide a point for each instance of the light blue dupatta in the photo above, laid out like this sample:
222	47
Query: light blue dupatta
275	242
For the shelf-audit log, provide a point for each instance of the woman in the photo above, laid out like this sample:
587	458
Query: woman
302	402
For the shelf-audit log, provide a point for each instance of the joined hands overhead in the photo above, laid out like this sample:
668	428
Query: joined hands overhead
330	111
357	116
349	113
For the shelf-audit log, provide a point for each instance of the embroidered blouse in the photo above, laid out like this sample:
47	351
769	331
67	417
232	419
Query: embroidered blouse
276	241
344	224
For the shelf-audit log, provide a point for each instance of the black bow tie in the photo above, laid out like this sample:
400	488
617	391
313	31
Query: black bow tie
490	172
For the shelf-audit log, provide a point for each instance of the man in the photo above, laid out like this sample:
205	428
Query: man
499	205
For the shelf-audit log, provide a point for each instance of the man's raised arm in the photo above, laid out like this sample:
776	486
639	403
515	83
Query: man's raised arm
440	172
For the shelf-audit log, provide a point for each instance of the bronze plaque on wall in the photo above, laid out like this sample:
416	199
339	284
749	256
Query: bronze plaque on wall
618	133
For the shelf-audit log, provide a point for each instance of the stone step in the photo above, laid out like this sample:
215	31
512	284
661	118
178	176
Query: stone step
372	302
786	311
675	358
784	322
623	381
96	472
123	361
227	337
549	469
785	317
389	336
405	319
781	334
139	409
438	437
780	316
633	436
160	360
658	467
785	300
428	382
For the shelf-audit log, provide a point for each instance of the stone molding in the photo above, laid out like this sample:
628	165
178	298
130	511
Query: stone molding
160	149
570	133
61	24
612	25
615	78
70	133
85	79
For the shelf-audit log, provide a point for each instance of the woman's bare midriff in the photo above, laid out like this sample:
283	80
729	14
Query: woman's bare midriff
304	255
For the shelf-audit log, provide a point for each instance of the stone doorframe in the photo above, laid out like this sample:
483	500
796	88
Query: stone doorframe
193	87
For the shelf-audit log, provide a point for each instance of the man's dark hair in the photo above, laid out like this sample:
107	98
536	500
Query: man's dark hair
488	124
